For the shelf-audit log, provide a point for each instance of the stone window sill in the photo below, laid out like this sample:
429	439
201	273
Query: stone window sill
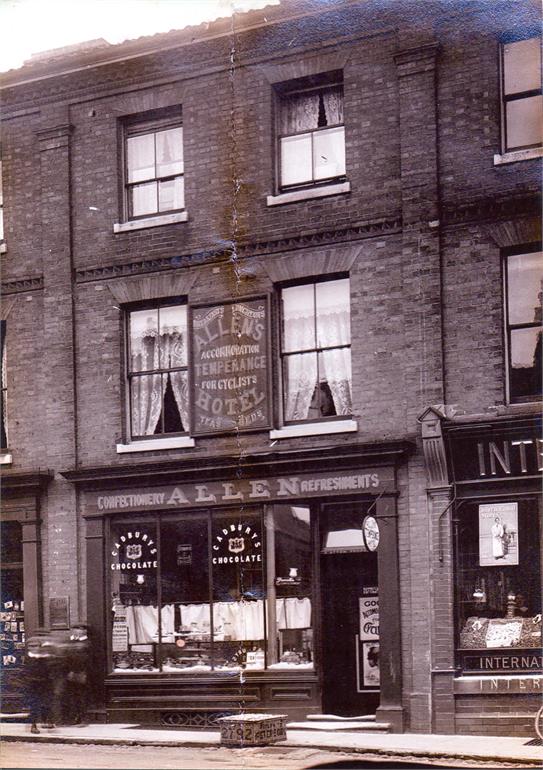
6	458
518	155
158	221
315	429
154	444
3	248
308	194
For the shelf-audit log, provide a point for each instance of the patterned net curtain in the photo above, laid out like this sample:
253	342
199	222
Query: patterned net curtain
152	350
332	322
300	112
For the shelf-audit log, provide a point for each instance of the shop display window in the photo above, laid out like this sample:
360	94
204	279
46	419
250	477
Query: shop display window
499	586
234	591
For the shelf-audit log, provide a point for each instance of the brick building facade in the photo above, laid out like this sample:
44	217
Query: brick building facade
192	224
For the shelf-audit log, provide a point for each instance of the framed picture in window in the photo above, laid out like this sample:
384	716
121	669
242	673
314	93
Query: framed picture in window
498	534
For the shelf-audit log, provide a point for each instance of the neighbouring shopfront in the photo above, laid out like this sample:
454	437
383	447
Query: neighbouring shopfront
256	591
20	578
496	468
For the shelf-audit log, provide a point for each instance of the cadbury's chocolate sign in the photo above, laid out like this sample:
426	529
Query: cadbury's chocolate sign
230	366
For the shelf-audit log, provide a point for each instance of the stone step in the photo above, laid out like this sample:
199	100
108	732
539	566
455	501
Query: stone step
336	726
335	718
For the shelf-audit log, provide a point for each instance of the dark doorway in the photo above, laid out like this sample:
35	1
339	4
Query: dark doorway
350	618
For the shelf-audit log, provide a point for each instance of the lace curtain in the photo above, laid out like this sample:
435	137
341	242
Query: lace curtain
301	375
333	106
147	390
300	112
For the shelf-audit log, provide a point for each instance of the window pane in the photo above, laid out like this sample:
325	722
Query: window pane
525	362
296	159
498	578
171	194
175	407
173	336
299	383
299	112
237	555
290	633
144	199
140	152
333	313
525	287
133	563
143	331
335	382
146	404
11	541
329	153
169	152
185	595
524	119
522	65
298	317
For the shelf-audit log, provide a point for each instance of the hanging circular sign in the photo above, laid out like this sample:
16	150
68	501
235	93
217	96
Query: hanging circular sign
370	529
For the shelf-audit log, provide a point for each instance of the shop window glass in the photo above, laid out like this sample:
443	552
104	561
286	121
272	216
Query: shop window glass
157	370
133	568
499	584
184	577
311	132
290	582
316	350
524	292
521	94
234	590
237	557
11	542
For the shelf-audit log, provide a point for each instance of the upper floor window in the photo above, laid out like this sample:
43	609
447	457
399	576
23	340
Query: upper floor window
154	167
157	370
521	94
311	134
523	289
316	350
3	426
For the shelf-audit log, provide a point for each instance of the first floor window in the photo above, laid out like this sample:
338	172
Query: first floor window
523	289
499	585
154	167
157	370
311	132
316	350
521	94
213	591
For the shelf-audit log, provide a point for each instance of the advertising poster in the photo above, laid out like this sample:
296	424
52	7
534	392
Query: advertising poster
369	618
120	630
370	664
498	534
231	367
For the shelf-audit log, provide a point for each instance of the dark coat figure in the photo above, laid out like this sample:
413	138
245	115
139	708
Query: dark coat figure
39	662
77	661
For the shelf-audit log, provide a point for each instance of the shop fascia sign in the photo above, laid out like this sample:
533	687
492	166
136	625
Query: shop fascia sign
499	457
134	550
364	481
237	544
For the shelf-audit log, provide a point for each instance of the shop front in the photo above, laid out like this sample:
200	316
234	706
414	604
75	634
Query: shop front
20	578
496	529
258	589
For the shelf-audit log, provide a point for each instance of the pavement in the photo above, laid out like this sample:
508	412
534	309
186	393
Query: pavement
433	747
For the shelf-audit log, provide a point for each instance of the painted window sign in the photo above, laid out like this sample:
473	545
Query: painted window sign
237	543
231	367
134	549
